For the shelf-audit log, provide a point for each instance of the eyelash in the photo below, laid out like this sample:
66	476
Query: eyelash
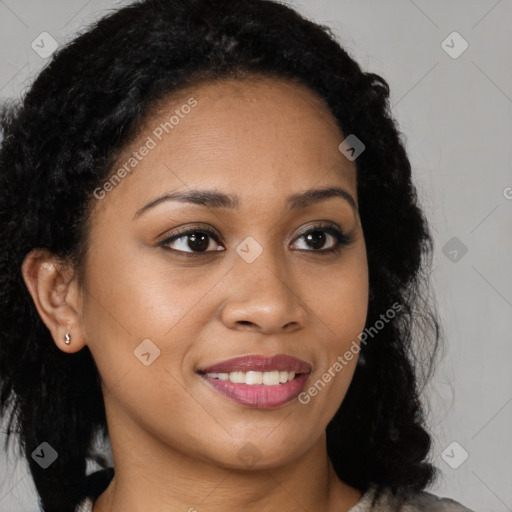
341	239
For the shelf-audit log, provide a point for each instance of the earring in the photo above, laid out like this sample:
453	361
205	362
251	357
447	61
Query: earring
67	340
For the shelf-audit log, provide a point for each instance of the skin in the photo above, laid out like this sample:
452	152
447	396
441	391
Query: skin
176	441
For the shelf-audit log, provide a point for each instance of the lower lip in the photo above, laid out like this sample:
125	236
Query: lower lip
259	396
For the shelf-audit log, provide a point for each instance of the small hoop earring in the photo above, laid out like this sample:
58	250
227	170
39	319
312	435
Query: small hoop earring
67	340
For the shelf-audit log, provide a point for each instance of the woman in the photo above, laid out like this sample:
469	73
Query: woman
213	255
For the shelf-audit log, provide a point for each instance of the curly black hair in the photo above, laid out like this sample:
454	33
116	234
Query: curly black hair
59	144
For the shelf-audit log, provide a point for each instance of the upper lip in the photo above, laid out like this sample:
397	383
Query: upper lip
259	363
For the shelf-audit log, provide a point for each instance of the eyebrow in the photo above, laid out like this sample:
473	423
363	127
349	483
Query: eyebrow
214	199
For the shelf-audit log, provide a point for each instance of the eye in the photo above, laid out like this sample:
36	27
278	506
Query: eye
316	238
196	241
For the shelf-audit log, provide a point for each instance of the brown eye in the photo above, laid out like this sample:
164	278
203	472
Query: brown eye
192	241
318	236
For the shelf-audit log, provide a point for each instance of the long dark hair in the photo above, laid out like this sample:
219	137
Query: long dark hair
59	144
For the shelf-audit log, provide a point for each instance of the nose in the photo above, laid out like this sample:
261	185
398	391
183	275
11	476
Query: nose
263	299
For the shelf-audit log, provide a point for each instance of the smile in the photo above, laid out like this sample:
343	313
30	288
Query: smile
259	381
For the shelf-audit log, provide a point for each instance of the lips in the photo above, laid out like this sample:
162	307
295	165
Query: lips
256	363
240	379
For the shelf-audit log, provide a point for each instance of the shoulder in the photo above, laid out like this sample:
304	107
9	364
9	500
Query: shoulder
383	499
427	502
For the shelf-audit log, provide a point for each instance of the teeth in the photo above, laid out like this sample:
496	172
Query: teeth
237	377
270	378
251	378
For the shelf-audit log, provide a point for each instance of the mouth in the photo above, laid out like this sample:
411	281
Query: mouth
258	381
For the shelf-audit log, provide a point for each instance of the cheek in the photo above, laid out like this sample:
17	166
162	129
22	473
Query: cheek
339	300
132	298
137	295
340	306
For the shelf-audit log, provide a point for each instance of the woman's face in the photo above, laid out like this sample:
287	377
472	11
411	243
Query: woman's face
156	312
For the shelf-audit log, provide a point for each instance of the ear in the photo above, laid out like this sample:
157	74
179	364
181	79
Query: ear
54	289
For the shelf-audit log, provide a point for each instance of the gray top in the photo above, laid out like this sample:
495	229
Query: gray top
418	502
387	502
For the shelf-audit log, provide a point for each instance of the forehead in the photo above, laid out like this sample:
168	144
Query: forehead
250	137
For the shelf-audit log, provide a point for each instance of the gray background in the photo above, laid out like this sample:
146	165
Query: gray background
456	115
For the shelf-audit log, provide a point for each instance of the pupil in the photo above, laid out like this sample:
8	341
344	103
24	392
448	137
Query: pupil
317	237
198	241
